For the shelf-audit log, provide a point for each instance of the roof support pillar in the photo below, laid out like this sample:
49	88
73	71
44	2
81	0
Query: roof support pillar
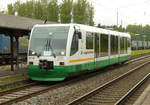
17	52
12	53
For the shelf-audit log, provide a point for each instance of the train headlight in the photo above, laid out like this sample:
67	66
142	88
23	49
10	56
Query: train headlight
62	53
33	53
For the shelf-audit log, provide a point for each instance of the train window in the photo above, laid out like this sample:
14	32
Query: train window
112	44
126	45
104	45
96	48
129	43
116	44
121	45
52	39
89	40
74	45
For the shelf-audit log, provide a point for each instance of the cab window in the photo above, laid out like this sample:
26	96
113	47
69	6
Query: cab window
74	44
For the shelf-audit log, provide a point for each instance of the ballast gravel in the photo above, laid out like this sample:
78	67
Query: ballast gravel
65	94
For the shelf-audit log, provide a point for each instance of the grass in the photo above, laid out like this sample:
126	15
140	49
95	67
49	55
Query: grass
13	86
10	79
138	52
7	67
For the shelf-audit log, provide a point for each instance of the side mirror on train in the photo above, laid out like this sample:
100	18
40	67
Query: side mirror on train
79	35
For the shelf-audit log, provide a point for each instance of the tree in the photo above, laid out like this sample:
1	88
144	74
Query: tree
80	11
80	14
65	11
44	4
16	6
52	11
143	31
22	11
29	9
38	11
90	14
10	9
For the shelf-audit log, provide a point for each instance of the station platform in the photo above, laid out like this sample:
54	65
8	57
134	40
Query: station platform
144	99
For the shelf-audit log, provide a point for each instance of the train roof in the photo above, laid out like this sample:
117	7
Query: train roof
89	29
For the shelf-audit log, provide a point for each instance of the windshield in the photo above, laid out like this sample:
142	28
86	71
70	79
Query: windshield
49	41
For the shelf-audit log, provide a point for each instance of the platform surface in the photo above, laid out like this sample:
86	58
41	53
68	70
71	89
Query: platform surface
144	99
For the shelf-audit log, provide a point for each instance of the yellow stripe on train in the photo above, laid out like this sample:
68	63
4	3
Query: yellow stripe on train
81	60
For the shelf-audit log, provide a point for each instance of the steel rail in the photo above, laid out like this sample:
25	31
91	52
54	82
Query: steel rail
95	91
137	59
131	91
45	90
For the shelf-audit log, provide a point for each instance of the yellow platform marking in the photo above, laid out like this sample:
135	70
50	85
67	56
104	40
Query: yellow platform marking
81	60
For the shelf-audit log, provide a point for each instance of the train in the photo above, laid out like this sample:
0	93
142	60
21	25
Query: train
59	51
139	45
5	49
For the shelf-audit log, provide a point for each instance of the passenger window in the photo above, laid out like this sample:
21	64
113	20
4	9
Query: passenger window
126	45
97	45
121	45
129	43
104	45
89	40
114	45
74	45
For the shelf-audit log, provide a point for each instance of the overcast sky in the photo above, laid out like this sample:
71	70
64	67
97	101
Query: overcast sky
129	11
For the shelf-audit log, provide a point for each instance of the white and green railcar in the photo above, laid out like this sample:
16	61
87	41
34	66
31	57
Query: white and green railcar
57	51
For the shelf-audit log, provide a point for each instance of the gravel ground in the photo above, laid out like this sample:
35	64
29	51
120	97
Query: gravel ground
5	70
65	94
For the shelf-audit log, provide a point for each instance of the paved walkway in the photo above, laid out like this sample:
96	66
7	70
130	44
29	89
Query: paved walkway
144	99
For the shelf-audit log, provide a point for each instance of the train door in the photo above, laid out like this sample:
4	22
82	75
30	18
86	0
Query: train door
96	49
114	52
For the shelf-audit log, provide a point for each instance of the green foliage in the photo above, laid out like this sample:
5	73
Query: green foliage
44	4
139	32
138	52
120	28
10	9
80	11
65	11
90	14
38	11
115	28
80	14
52	11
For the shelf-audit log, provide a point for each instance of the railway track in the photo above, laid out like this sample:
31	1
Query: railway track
115	91
132	91
133	98
31	90
34	89
137	59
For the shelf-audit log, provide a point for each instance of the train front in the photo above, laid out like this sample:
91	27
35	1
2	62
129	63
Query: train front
47	52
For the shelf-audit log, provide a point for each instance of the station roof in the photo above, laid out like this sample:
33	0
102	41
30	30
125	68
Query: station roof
19	23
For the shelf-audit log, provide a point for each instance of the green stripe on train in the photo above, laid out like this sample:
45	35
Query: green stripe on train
59	73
